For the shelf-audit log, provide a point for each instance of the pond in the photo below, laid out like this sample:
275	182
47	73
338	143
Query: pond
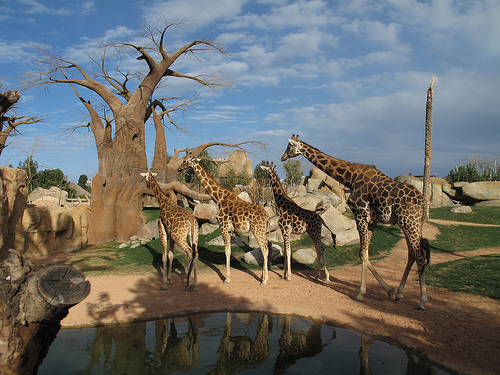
226	343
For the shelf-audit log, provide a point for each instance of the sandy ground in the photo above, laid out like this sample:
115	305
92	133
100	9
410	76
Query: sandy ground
457	330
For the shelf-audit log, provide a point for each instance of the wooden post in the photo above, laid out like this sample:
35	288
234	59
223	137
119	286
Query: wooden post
428	144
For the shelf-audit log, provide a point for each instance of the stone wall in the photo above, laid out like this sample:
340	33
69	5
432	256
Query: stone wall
36	231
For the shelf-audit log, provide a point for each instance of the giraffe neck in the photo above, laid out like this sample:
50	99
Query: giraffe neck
160	195
280	195
345	172
215	190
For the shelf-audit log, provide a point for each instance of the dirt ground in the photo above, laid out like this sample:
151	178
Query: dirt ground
458	331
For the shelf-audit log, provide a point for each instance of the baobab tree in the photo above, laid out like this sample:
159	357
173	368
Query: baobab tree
117	189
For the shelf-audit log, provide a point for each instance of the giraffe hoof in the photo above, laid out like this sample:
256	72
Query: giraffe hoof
360	299
420	306
193	288
163	287
227	281
399	297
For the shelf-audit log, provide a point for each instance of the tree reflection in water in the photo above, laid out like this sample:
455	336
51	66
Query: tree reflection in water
226	343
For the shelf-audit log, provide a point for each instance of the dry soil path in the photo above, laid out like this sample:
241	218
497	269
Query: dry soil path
457	330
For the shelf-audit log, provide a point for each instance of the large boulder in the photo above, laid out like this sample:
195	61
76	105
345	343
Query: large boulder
13	197
53	197
206	212
482	191
334	185
438	187
335	221
237	164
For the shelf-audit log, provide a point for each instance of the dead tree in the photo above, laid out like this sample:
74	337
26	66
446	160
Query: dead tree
33	299
124	101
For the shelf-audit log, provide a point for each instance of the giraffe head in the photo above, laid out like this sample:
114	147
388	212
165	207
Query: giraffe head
268	167
187	162
294	148
148	176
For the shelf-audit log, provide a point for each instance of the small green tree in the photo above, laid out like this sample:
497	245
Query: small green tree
261	175
82	182
293	171
31	167
472	172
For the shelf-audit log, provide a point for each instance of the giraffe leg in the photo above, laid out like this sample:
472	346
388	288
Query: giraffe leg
366	232
287	272
415	253
226	236
265	254
401	288
164	245
194	246
320	251
170	260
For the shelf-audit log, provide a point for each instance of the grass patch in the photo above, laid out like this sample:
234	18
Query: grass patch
383	241
151	213
455	238
479	215
476	275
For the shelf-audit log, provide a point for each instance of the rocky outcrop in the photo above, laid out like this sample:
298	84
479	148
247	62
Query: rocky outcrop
48	229
438	185
13	197
237	164
484	193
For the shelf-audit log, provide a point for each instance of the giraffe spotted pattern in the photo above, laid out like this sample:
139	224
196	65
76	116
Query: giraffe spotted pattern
375	198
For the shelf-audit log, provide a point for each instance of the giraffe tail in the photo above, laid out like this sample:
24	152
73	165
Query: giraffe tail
334	236
426	250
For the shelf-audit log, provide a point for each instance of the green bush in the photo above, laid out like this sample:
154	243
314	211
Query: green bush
472	173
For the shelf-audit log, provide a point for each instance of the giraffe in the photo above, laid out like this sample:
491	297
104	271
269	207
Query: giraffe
176	223
295	219
375	197
234	215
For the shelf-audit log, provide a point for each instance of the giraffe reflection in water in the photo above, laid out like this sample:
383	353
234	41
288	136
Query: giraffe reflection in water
228	343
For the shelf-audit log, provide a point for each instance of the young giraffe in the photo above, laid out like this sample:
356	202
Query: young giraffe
176	223
375	197
234	215
295	219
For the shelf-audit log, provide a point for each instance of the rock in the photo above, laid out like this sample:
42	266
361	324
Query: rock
245	196
208	228
53	197
308	202
482	191
237	164
305	256
335	221
336	187
219	241
313	184
345	237
206	211
491	203
255	257
459	209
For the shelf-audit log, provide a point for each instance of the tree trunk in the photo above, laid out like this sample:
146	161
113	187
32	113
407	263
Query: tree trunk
34	299
116	206
428	146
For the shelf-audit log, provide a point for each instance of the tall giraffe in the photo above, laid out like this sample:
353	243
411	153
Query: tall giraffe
375	197
176	223
295	219
234	215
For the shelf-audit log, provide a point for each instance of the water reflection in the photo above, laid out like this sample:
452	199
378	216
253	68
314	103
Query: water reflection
226	343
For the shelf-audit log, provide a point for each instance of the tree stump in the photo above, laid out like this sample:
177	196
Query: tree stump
33	299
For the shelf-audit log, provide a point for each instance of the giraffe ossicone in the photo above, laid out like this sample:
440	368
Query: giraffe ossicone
375	197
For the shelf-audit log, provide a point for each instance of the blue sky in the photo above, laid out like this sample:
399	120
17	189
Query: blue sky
350	77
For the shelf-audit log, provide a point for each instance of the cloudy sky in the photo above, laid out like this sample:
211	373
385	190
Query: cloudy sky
349	76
